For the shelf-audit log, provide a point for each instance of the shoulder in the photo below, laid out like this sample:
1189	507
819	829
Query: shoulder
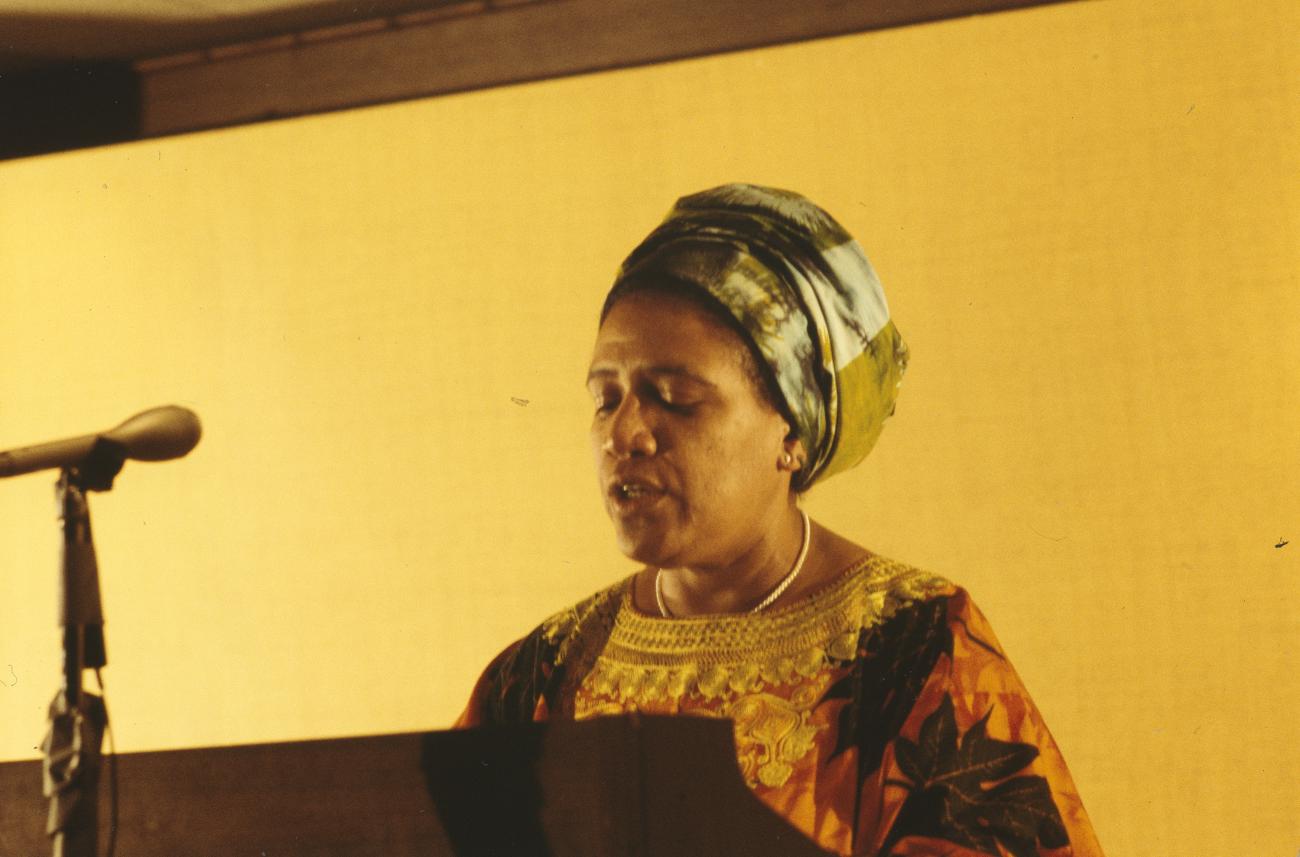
911	618
560	633
523	680
907	609
593	616
882	588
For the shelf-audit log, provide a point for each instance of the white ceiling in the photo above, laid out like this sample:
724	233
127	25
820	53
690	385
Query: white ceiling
40	32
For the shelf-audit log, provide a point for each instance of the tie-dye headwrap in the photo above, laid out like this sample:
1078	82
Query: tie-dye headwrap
806	294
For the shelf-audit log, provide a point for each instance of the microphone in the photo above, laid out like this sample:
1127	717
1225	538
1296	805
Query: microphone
157	434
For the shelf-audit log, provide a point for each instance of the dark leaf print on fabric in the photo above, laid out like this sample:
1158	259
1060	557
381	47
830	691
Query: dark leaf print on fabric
518	677
894	660
954	793
535	668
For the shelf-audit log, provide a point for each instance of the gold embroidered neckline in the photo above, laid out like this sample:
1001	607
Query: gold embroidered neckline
828	618
649	661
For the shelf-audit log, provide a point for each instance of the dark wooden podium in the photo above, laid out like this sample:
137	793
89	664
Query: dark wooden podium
636	786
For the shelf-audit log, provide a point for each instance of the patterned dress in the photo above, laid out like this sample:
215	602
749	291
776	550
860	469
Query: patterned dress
878	715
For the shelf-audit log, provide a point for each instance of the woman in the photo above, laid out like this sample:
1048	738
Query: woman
744	353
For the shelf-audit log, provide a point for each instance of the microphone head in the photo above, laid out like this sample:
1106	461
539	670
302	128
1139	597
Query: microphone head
158	433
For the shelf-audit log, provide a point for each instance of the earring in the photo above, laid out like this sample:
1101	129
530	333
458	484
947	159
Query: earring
787	459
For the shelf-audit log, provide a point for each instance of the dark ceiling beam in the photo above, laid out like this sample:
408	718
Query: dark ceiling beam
68	107
450	46
473	45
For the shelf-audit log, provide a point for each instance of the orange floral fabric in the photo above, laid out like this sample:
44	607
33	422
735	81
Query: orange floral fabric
878	716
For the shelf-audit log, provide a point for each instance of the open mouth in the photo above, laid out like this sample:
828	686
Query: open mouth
629	494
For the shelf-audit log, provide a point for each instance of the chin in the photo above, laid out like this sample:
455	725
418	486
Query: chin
639	550
644	547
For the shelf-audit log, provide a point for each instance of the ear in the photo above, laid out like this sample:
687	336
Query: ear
793	456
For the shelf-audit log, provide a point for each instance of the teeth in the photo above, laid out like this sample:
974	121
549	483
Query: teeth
630	491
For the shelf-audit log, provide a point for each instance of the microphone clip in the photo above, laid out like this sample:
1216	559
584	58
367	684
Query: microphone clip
100	467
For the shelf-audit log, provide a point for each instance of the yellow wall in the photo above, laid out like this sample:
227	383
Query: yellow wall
1085	217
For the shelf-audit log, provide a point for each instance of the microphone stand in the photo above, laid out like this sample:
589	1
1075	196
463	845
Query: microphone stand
77	718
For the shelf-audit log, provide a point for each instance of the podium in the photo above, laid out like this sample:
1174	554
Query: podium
637	786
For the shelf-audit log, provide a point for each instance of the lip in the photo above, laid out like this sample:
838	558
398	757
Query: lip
643	493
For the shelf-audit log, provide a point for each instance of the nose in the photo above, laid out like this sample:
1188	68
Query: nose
627	432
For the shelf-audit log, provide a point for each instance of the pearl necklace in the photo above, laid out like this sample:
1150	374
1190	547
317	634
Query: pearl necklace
771	596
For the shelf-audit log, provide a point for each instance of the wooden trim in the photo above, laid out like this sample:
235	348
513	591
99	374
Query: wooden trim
495	44
68	107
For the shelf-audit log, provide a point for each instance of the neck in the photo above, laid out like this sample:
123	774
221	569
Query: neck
740	584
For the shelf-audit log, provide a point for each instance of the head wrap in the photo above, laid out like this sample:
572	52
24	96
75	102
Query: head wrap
803	290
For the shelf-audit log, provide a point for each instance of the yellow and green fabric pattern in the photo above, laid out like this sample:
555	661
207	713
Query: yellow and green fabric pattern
807	296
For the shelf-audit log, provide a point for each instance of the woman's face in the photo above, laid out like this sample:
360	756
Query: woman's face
688	455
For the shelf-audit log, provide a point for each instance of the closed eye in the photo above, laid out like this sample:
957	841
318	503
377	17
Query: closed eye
605	403
608	399
676	403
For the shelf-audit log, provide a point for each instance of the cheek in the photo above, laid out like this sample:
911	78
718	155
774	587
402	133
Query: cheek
732	467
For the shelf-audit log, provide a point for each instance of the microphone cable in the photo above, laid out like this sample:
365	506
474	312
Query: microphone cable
112	768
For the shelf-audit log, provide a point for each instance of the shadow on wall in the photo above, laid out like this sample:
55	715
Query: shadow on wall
67	81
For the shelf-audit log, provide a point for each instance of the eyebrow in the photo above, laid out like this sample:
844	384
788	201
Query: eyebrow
670	370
